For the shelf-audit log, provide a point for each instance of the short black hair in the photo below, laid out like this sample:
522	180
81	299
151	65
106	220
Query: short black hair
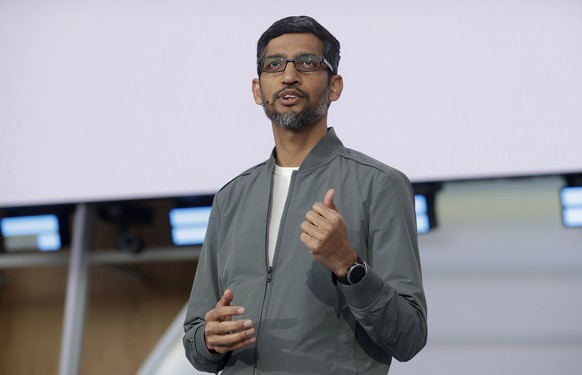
301	24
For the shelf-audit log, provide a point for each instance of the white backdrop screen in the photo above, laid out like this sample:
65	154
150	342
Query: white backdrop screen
104	100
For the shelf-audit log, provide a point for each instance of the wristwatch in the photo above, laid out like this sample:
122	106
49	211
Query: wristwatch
355	273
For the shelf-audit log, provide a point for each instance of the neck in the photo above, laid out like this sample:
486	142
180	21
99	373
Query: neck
292	146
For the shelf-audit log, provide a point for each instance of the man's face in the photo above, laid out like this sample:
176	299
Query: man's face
291	99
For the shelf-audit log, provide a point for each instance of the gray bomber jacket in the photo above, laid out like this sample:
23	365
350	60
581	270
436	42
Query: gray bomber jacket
306	323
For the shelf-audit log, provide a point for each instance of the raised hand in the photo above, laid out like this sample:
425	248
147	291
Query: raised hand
221	333
325	235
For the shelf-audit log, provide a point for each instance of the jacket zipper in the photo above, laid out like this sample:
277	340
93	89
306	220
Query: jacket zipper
269	267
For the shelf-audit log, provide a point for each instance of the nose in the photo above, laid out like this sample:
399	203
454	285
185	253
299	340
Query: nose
291	74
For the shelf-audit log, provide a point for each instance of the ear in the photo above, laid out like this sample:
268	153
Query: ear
257	91
336	87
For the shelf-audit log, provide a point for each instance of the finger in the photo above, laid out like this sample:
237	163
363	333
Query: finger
226	298
306	227
316	227
223	313
228	327
235	345
224	344
225	336
314	219
320	221
328	199
244	344
308	241
223	310
232	341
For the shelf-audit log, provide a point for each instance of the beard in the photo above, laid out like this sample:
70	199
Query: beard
298	121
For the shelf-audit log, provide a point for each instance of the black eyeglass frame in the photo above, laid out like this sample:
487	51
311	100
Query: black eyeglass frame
285	61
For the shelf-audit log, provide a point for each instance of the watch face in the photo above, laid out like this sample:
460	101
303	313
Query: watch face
357	273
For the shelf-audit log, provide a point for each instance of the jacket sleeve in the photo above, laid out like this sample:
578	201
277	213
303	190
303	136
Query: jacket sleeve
389	303
203	298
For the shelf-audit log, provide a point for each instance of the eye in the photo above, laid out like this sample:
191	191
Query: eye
307	62
272	63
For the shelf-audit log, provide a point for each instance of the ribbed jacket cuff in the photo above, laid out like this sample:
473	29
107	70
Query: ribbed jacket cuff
364	293
202	350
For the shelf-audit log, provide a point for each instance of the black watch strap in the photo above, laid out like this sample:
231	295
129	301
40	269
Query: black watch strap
355	273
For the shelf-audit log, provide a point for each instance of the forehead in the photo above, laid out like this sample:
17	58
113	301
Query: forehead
290	45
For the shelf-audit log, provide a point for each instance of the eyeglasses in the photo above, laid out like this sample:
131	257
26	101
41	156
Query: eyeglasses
303	63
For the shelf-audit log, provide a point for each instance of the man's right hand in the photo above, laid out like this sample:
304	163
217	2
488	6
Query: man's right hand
221	333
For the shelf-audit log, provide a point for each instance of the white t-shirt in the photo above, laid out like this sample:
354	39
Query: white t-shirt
281	181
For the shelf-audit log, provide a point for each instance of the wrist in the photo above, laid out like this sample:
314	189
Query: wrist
344	267
354	274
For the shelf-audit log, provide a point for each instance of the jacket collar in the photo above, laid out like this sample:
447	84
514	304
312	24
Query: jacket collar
329	146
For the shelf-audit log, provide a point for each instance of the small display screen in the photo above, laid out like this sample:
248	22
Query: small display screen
189	224
571	199
37	232
422	219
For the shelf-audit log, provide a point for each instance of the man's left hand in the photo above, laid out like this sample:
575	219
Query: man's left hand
325	235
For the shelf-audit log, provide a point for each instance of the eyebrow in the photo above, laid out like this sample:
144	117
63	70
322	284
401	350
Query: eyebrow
301	53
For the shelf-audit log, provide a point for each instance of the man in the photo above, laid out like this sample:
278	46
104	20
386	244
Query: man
310	263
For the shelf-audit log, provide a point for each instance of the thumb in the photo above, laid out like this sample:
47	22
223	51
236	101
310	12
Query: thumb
328	200
226	299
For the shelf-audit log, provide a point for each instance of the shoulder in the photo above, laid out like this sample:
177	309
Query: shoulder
387	188
243	178
372	165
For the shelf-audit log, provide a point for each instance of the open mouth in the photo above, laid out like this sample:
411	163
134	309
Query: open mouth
290	97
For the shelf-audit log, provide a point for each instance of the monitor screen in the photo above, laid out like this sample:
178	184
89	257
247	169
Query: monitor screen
422	218
189	224
571	199
37	232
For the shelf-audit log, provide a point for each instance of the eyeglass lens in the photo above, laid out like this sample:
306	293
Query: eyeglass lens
303	63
